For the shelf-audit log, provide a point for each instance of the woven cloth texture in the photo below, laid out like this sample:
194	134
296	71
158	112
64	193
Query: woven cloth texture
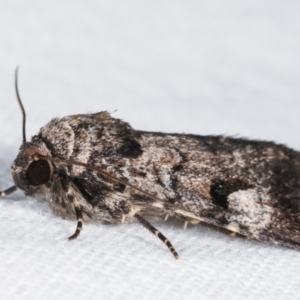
202	67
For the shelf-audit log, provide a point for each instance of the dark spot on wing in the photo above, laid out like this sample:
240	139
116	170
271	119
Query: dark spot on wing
221	189
285	177
142	198
293	203
130	148
119	187
92	192
223	221
177	168
83	125
83	188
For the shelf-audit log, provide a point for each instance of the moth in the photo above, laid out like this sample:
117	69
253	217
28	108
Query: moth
96	168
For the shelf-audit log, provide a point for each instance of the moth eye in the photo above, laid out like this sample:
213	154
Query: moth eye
38	172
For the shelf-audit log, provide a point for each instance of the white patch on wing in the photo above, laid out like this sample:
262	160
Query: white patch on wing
251	210
164	175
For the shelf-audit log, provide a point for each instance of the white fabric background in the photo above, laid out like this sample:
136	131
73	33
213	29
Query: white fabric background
204	67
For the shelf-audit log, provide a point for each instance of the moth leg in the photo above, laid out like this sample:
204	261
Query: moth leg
152	229
79	223
186	223
8	191
123	219
167	217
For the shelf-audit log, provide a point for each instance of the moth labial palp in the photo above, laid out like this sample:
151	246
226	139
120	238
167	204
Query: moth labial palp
96	168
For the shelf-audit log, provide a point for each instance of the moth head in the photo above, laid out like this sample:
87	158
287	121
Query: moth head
31	173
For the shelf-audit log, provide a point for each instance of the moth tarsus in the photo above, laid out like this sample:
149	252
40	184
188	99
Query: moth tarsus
95	168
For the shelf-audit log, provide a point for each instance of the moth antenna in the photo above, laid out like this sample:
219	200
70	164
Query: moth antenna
162	204
21	105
